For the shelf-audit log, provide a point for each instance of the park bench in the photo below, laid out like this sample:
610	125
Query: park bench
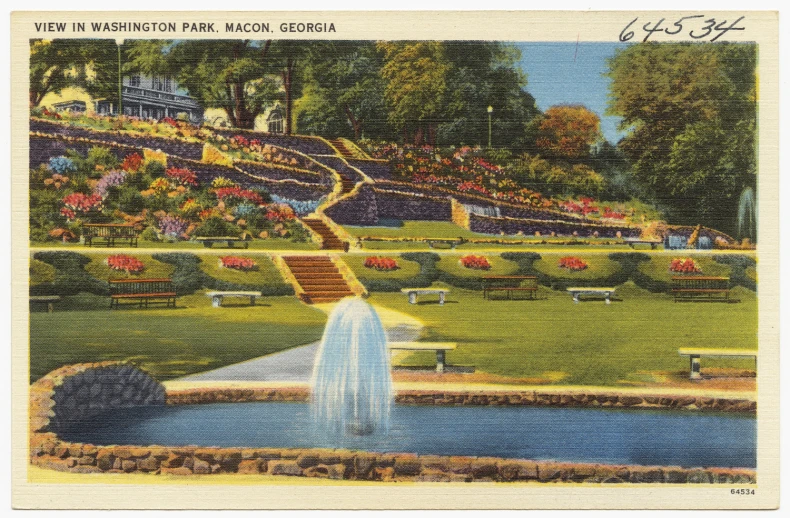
523	283
230	241
452	243
633	242
217	296
108	233
413	292
49	300
699	287
144	291
440	347
695	355
606	292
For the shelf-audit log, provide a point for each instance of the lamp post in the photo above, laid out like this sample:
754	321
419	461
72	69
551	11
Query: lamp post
490	111
119	42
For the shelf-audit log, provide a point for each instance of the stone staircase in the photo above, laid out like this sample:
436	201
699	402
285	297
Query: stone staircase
346	181
330	239
319	278
341	147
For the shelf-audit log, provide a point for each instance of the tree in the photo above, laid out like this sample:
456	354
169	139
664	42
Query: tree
345	94
54	65
415	75
690	115
567	132
234	75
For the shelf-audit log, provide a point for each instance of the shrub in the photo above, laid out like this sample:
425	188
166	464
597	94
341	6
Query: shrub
212	155
61	165
173	226
382	264
475	262
244	264
70	275
124	263
573	264
101	159
215	226
108	181
149	234
132	162
739	264
79	203
221	181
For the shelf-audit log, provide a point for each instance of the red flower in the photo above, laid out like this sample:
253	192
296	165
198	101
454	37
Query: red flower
182	176
132	162
475	262
125	263
684	266
244	264
573	264
382	264
239	194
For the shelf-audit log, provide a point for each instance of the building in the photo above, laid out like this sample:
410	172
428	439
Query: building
72	106
153	98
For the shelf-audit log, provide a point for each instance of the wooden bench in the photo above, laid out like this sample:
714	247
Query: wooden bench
695	355
443	241
440	347
217	296
413	292
696	287
606	292
494	283
108	233
143	290
633	242
49	300
230	241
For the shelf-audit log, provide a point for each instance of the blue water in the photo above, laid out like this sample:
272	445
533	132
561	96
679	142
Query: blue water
688	439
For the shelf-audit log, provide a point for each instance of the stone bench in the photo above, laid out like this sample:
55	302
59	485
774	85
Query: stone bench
49	300
695	354
217	296
605	292
413	292
230	241
633	242
440	347
452	243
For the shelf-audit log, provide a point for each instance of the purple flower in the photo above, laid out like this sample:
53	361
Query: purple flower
111	179
172	226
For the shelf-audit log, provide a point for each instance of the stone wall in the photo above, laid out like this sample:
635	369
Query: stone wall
494	225
357	209
106	385
397	205
76	392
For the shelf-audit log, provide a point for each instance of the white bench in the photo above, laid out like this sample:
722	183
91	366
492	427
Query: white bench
217	296
413	292
439	347
606	292
695	354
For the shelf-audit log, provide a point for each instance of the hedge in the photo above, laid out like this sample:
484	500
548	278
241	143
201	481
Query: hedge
739	264
71	277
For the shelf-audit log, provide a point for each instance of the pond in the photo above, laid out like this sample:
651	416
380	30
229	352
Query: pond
611	436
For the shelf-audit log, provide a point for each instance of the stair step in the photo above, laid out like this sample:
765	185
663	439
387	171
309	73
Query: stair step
304	262
307	277
329	293
324	286
319	300
304	270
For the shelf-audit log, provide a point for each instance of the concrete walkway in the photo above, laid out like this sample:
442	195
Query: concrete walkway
296	365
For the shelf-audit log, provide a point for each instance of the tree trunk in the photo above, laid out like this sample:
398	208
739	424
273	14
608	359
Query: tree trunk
418	135
356	124
287	83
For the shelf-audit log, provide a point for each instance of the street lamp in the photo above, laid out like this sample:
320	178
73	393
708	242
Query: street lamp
119	42
490	111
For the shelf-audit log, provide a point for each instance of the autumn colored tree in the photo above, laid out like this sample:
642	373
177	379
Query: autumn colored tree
567	132
690	114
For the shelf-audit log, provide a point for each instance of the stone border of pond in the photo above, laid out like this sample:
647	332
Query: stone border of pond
78	391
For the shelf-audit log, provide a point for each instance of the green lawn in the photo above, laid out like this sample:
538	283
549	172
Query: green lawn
406	269
266	273
168	342
587	343
598	266
658	266
437	229
451	263
255	244
153	268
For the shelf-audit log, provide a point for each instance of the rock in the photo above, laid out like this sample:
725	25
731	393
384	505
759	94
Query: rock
363	464
148	464
407	466
284	467
630	400
675	476
173	461
307	460
548	472
176	471
252	466
105	460
128	466
647	475
385	474
433	475
484	468
201	467
699	477
508	471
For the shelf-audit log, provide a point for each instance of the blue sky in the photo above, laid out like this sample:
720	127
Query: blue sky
561	73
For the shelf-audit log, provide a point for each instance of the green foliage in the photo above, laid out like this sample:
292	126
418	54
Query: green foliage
70	275
41	272
740	264
54	65
150	234
690	112
44	213
215	226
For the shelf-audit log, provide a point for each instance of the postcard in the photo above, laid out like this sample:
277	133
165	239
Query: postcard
395	260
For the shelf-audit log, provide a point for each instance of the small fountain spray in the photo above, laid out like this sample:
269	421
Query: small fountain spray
352	385
747	215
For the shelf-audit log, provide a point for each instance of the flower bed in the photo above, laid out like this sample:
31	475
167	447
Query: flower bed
244	264
475	262
125	263
181	176
382	264
686	265
573	264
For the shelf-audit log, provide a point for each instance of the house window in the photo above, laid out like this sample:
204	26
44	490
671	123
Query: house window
134	80
275	122
162	84
168	85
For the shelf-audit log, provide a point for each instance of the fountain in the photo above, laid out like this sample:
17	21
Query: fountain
352	385
747	215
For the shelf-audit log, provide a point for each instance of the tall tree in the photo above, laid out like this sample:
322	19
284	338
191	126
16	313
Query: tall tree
54	65
234	75
690	115
416	81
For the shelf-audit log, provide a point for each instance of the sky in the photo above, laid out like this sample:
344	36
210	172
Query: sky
571	73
